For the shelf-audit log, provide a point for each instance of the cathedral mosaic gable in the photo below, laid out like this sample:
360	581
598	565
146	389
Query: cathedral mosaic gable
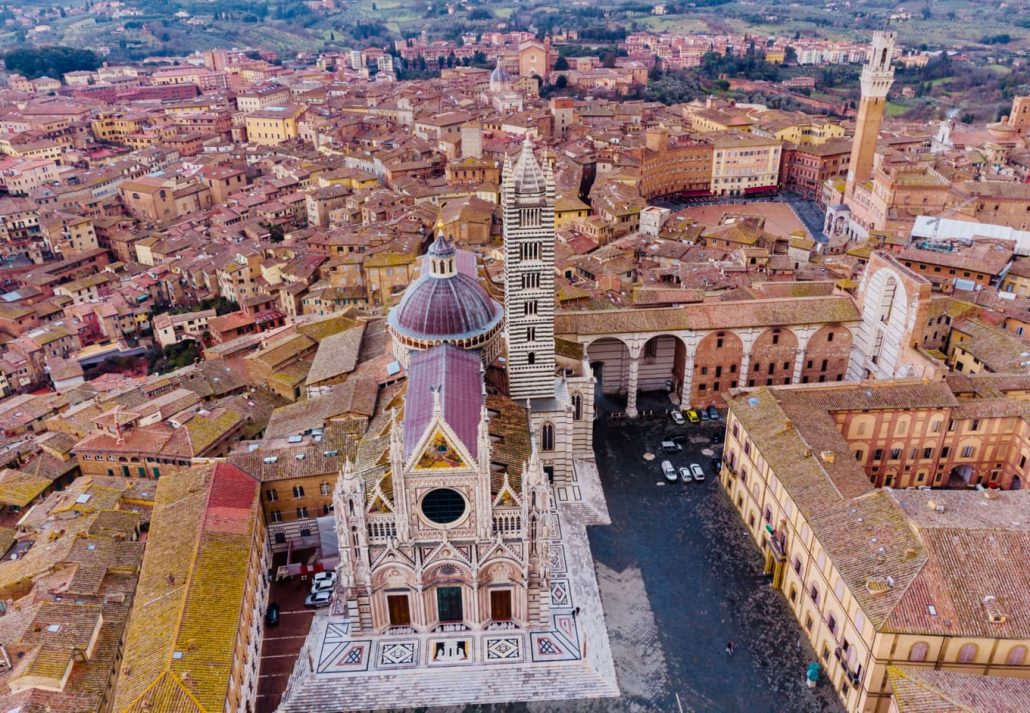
439	452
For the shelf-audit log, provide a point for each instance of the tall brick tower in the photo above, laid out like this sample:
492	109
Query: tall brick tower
877	78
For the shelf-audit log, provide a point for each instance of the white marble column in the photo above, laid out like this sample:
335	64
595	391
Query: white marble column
687	385
799	363
631	388
745	364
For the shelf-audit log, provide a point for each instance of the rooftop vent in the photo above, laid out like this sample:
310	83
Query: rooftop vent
827	456
878	585
269	460
992	607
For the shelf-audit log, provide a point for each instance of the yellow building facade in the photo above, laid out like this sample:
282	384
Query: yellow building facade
877	577
273	125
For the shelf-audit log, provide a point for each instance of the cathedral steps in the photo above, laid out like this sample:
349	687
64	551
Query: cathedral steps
460	685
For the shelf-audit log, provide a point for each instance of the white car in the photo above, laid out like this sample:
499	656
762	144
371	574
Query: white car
696	471
329	576
685	475
669	471
677	418
319	599
324	585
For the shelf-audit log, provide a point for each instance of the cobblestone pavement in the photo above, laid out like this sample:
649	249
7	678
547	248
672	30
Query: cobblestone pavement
281	643
679	578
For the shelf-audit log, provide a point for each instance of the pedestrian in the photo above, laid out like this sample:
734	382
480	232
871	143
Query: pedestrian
729	648
575	612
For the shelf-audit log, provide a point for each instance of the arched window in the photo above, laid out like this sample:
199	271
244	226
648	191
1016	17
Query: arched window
813	592
967	653
918	652
831	623
577	407
324	488
1016	657
547	437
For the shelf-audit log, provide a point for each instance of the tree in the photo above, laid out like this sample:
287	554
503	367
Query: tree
561	64
561	82
34	62
275	232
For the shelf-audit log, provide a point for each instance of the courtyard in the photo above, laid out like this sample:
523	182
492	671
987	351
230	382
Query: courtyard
679	578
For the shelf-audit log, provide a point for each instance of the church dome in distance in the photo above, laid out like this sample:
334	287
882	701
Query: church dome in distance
498	77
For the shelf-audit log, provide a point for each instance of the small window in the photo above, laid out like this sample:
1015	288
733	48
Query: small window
547	437
298	491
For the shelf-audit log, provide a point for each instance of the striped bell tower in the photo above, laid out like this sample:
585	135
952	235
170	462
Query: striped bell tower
527	197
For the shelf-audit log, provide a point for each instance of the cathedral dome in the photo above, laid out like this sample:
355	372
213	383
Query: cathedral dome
445	305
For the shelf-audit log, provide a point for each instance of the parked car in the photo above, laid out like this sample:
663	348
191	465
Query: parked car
703	414
695	470
671	447
693	417
272	615
685	474
713	413
668	471
717	438
316	600
677	418
324	577
323	585
717	464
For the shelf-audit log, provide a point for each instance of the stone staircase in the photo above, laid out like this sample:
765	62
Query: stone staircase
456	686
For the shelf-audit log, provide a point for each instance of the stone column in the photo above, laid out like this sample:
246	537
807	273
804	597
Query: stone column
688	383
745	364
799	363
631	389
803	338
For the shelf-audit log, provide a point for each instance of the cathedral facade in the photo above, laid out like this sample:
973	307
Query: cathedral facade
443	517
